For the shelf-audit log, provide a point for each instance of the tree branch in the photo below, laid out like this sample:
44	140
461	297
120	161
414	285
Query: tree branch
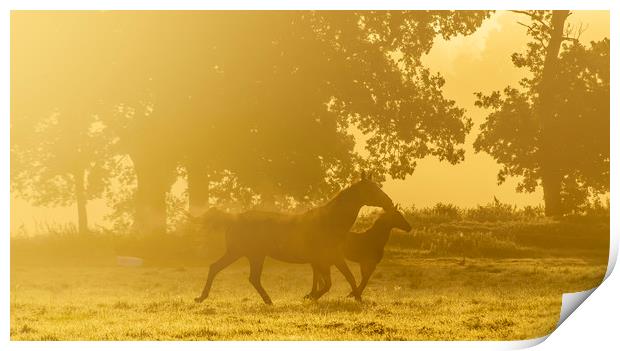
540	40
578	32
533	18
525	25
527	13
574	40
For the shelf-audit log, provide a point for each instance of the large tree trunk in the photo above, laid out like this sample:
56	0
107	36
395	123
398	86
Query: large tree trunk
551	173
154	180
80	199
197	188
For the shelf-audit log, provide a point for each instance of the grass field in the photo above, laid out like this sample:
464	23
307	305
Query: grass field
408	299
449	279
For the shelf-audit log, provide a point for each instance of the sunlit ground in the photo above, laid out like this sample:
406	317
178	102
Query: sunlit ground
408	298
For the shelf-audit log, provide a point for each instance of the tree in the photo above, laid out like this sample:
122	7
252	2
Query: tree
60	147
554	129
271	101
319	73
97	70
393	98
264	98
59	160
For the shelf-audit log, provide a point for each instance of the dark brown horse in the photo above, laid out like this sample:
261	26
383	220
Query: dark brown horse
314	237
367	248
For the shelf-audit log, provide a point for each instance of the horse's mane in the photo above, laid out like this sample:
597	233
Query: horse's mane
331	202
216	219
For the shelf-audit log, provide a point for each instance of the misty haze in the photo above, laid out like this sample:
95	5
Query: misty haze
195	175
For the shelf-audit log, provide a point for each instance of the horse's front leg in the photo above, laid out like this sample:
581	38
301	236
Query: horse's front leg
346	272
256	269
214	269
367	268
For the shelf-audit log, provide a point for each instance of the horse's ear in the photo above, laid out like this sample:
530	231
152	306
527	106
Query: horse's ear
363	175
370	175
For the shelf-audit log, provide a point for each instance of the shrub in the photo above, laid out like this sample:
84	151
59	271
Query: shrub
493	212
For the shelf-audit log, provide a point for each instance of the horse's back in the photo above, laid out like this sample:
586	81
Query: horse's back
257	221
295	238
263	232
263	215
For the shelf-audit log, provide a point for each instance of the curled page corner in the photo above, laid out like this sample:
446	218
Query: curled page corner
524	344
613	253
570	301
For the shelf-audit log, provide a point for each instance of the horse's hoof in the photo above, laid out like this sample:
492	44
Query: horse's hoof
199	299
351	294
268	303
310	297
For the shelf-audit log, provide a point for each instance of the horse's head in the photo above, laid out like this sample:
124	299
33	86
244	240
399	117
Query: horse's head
394	217
370	194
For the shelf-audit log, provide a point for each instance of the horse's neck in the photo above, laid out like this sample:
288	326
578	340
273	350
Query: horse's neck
380	231
342	210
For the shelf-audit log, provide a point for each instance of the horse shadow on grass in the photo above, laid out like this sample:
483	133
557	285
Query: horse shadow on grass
336	305
315	307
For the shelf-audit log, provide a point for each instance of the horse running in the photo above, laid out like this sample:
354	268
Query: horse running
367	248
314	237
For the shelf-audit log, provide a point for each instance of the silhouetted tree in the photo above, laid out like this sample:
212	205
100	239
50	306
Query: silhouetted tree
156	75
554	128
276	113
264	98
60	149
59	160
390	96
319	73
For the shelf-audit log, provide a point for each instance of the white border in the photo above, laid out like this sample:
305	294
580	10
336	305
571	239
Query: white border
316	4
310	4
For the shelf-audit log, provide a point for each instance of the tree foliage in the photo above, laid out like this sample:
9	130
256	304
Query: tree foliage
259	105
579	128
61	159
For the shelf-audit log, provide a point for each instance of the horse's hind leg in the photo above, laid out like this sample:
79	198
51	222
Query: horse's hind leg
214	269
315	283
256	269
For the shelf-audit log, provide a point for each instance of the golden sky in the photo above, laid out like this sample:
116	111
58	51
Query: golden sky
480	62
